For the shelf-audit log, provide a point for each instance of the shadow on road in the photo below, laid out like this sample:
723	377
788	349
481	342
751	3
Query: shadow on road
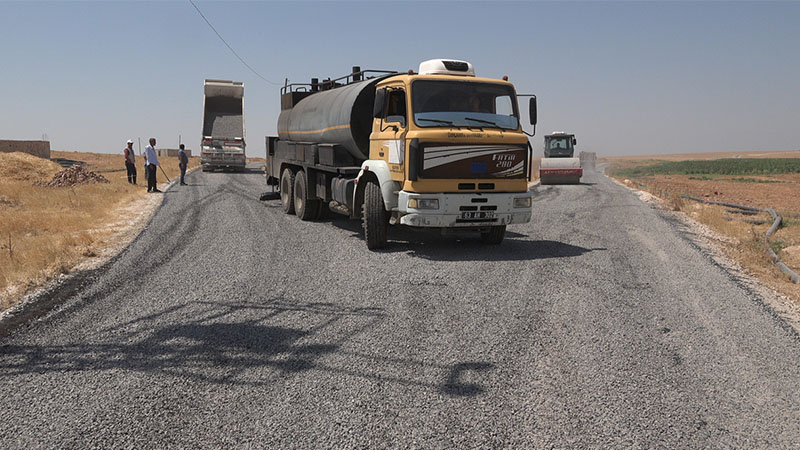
236	344
473	250
466	246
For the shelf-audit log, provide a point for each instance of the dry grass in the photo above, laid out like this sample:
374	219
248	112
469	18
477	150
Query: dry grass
47	231
19	166
748	246
744	242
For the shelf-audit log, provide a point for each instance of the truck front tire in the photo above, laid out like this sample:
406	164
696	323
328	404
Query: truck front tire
494	236
287	191
373	216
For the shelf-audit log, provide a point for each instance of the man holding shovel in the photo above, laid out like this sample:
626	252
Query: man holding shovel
152	163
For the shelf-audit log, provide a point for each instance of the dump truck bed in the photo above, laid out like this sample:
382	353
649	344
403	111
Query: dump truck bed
223	110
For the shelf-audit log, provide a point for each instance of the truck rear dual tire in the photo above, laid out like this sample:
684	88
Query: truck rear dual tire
374	217
287	190
494	236
304	207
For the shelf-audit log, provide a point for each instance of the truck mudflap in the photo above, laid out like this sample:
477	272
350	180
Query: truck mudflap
476	210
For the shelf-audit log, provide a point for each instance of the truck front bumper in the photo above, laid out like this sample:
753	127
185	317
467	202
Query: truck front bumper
475	210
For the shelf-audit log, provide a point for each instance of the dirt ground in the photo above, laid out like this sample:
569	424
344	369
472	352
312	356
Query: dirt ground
48	231
780	192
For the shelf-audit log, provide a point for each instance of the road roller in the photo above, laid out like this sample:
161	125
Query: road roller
559	165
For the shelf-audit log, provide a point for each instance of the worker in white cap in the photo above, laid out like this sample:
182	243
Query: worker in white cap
130	159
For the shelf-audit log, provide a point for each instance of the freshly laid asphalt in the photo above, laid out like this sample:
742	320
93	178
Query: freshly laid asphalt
227	323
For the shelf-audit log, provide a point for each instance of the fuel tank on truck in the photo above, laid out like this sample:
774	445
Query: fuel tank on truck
341	116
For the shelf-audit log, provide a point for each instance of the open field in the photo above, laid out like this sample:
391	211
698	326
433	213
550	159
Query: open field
627	161
46	231
760	179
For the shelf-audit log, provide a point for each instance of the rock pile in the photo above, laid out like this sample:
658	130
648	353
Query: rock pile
73	176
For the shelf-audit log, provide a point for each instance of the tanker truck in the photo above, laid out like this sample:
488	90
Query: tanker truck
222	144
437	149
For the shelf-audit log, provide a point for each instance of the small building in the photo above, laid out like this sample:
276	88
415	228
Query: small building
35	148
171	152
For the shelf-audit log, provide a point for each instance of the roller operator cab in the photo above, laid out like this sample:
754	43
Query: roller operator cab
438	149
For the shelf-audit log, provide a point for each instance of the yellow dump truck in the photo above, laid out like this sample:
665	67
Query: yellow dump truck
440	148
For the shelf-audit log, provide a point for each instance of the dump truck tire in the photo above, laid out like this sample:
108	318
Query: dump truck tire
304	208
373	217
494	236
287	191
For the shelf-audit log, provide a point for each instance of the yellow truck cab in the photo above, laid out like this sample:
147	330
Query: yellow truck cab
440	148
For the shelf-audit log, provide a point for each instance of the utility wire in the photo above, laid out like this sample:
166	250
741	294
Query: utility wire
231	48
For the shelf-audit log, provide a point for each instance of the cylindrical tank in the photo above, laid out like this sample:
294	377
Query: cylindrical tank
340	116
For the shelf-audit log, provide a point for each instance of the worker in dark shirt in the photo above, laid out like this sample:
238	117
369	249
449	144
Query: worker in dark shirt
183	162
130	159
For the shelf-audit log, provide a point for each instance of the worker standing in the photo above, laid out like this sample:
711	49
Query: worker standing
146	175
152	163
130	159
183	162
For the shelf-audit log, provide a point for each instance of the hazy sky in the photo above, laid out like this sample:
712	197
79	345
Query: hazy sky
627	78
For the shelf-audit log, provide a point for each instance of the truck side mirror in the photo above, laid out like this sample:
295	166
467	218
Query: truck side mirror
532	110
574	141
380	103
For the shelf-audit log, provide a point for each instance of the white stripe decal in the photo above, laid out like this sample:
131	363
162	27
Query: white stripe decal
466	147
513	170
437	161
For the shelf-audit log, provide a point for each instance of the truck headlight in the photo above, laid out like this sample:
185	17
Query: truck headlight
423	203
522	202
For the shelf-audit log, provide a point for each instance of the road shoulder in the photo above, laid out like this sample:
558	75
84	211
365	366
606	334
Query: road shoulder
709	243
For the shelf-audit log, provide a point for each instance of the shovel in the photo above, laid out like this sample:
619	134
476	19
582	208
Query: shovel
165	174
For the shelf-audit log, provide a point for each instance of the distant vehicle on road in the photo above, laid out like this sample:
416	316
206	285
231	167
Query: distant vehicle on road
438	149
559	165
223	140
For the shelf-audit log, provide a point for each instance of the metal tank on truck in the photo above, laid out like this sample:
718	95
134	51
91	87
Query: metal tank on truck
437	149
559	166
223	143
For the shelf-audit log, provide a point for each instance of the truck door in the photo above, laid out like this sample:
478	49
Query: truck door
387	141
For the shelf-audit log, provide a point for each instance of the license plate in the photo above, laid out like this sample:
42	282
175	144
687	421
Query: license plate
477	215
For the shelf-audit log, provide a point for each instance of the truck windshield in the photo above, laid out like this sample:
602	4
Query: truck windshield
464	103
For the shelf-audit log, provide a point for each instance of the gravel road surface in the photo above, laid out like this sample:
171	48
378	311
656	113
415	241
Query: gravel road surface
228	323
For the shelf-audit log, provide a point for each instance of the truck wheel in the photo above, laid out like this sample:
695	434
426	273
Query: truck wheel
494	236
373	216
304	208
287	191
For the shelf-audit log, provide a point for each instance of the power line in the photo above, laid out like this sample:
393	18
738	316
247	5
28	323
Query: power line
231	48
